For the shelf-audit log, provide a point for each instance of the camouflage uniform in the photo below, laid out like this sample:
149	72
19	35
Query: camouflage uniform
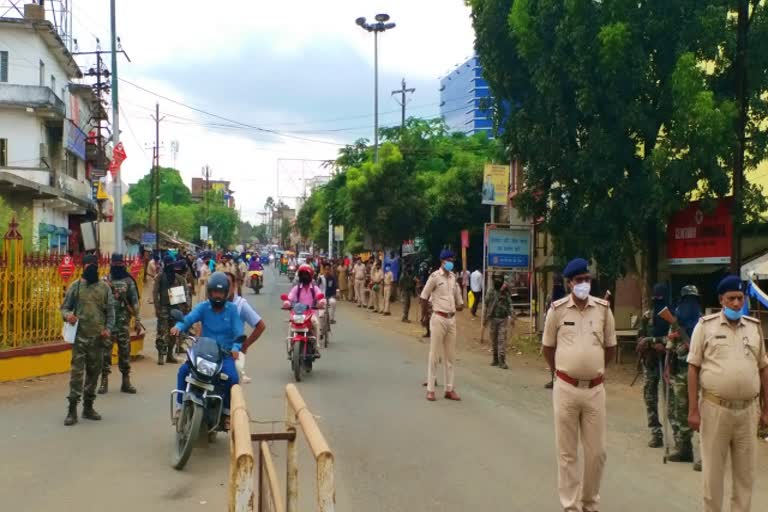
652	364
95	309
164	341
126	305
678	393
498	311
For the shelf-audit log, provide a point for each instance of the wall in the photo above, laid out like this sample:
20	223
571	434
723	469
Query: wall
43	213
24	133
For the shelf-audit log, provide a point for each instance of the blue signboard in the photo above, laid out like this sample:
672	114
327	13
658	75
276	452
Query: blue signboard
148	238
509	248
76	140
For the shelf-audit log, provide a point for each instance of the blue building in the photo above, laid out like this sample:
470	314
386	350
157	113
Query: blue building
464	94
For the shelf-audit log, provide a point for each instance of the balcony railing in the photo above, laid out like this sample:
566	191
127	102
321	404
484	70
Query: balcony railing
42	99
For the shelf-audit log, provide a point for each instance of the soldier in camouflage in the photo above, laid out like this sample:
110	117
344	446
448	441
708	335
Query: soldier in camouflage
126	295
498	311
651	348
164	282
89	304
687	315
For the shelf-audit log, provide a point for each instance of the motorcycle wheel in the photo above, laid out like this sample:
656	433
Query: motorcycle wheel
187	432
296	362
326	330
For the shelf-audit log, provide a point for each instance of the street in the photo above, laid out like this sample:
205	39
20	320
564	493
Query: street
394	450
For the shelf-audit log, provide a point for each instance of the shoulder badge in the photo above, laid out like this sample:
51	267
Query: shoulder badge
707	318
560	302
602	302
751	319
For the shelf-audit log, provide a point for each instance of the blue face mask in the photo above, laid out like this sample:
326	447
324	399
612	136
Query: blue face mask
448	266
731	314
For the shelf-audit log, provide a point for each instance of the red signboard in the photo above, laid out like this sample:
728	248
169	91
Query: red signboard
696	237
66	268
465	239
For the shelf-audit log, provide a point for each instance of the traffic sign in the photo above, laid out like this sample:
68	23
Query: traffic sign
66	268
148	238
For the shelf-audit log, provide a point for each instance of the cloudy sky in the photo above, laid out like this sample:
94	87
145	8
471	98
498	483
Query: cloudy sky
301	68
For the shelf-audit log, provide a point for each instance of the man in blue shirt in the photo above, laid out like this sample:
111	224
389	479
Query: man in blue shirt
221	322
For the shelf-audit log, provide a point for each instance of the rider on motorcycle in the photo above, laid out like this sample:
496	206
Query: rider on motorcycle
255	264
307	292
221	322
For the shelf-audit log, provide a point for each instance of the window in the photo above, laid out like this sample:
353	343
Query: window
3	152
42	74
53	84
70	168
3	66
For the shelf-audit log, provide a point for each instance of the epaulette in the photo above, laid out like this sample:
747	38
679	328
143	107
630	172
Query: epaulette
751	319
707	318
602	302
560	302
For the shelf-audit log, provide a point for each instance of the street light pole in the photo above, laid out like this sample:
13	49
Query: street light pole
118	191
381	25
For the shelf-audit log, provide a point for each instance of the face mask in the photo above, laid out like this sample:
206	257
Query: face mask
732	315
217	303
91	274
448	266
581	290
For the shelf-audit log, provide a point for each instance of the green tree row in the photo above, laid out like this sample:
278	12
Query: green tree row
427	184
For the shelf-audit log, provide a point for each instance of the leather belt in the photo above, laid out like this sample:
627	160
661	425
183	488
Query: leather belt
579	383
728	404
444	315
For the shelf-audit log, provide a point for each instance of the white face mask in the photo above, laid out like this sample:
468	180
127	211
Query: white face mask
581	290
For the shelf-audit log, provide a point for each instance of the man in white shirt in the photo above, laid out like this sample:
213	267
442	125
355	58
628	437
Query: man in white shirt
476	285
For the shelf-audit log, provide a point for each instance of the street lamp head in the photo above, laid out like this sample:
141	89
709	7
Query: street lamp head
360	21
388	26
381	18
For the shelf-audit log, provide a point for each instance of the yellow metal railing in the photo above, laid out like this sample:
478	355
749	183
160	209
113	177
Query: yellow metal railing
32	290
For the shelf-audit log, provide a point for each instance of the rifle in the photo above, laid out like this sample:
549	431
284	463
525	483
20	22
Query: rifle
643	355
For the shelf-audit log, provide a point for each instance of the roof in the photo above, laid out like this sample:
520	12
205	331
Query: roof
52	40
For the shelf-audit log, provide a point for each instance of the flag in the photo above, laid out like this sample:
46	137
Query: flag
118	157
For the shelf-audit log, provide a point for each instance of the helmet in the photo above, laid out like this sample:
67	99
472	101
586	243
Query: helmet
218	281
306	268
689	290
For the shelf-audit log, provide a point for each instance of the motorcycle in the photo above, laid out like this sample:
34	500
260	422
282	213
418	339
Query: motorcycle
256	278
301	344
202	409
291	272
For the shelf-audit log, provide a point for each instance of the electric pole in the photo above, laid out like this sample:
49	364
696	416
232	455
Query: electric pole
206	189
155	198
742	102
118	193
402	102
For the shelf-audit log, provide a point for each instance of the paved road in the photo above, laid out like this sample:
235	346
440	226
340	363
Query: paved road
394	450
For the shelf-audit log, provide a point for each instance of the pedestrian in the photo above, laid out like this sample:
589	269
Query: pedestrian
343	279
476	285
464	283
651	349
359	274
498	310
687	314
88	305
444	293
166	291
151	274
377	287
389	279
728	362
126	303
579	340
407	287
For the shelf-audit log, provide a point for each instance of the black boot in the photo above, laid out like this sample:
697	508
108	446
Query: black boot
71	418
503	363
682	454
170	358
160	358
495	357
104	384
657	441
89	412
127	387
697	466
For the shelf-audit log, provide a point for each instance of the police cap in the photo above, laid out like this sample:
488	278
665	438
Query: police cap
729	283
576	267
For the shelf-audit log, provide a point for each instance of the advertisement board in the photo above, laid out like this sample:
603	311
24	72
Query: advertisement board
695	237
338	233
509	248
495	184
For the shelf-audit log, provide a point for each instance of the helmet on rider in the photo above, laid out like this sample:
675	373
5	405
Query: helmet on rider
218	289
306	273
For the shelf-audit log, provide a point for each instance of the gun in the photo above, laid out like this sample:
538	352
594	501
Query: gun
649	340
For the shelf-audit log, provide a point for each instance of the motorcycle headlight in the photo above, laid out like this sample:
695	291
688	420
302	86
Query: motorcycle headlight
205	367
299	319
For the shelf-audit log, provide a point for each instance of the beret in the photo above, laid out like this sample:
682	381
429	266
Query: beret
446	254
729	283
90	259
117	257
169	260
576	267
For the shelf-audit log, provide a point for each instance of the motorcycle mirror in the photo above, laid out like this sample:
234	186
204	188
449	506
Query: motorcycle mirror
177	315
223	376
284	296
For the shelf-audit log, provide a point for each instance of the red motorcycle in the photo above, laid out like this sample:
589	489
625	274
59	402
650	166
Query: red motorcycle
301	343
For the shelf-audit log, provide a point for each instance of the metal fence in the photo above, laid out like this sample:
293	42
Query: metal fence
32	290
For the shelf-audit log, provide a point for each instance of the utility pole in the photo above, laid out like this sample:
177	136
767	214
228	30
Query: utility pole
118	194
206	189
403	91
156	175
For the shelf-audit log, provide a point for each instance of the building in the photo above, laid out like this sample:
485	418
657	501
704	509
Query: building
44	121
200	185
465	99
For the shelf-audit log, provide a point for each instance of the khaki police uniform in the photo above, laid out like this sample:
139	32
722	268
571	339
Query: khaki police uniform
359	272
580	338
377	295
444	293
387	294
730	358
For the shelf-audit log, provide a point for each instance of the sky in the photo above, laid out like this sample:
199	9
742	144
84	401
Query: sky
300	70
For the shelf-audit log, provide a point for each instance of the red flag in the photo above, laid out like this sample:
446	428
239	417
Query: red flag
118	156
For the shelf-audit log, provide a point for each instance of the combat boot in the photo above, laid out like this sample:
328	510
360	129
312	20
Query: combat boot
495	357
127	387
503	363
657	441
104	388
160	358
89	412
697	466
71	418
170	358
681	455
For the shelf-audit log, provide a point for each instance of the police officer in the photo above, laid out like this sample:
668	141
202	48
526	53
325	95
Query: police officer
498	308
728	361
89	304
359	275
687	314
126	295
164	282
651	349
579	340
444	293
